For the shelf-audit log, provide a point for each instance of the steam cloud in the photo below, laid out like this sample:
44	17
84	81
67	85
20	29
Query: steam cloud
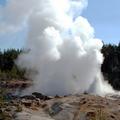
63	54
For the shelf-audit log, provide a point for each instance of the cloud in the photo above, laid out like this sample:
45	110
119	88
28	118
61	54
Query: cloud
62	54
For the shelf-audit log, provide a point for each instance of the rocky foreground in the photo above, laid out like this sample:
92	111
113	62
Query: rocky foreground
72	107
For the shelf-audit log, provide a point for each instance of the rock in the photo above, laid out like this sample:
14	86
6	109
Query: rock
35	117
57	96
23	116
41	96
72	107
28	97
43	105
90	114
26	103
55	108
7	115
28	116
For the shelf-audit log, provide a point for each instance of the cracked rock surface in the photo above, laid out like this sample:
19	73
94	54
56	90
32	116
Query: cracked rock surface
73	107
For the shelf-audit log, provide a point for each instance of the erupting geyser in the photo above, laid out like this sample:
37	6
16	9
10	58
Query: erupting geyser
62	51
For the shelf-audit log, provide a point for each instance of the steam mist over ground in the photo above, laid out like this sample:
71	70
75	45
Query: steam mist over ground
62	54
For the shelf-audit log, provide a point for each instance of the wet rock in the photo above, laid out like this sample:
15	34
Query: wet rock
41	96
55	108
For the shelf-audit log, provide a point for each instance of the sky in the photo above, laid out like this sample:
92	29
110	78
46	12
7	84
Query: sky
103	15
2	2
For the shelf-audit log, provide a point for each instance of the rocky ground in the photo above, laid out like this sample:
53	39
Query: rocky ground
72	107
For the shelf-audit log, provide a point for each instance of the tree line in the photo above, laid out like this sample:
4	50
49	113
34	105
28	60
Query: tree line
8	68
110	67
111	64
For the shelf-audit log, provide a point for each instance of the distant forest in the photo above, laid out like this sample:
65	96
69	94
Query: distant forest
8	68
111	64
110	67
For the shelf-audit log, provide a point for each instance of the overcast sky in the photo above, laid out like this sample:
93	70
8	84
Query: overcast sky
104	16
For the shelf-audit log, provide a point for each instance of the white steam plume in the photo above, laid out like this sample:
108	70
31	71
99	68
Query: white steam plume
63	52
